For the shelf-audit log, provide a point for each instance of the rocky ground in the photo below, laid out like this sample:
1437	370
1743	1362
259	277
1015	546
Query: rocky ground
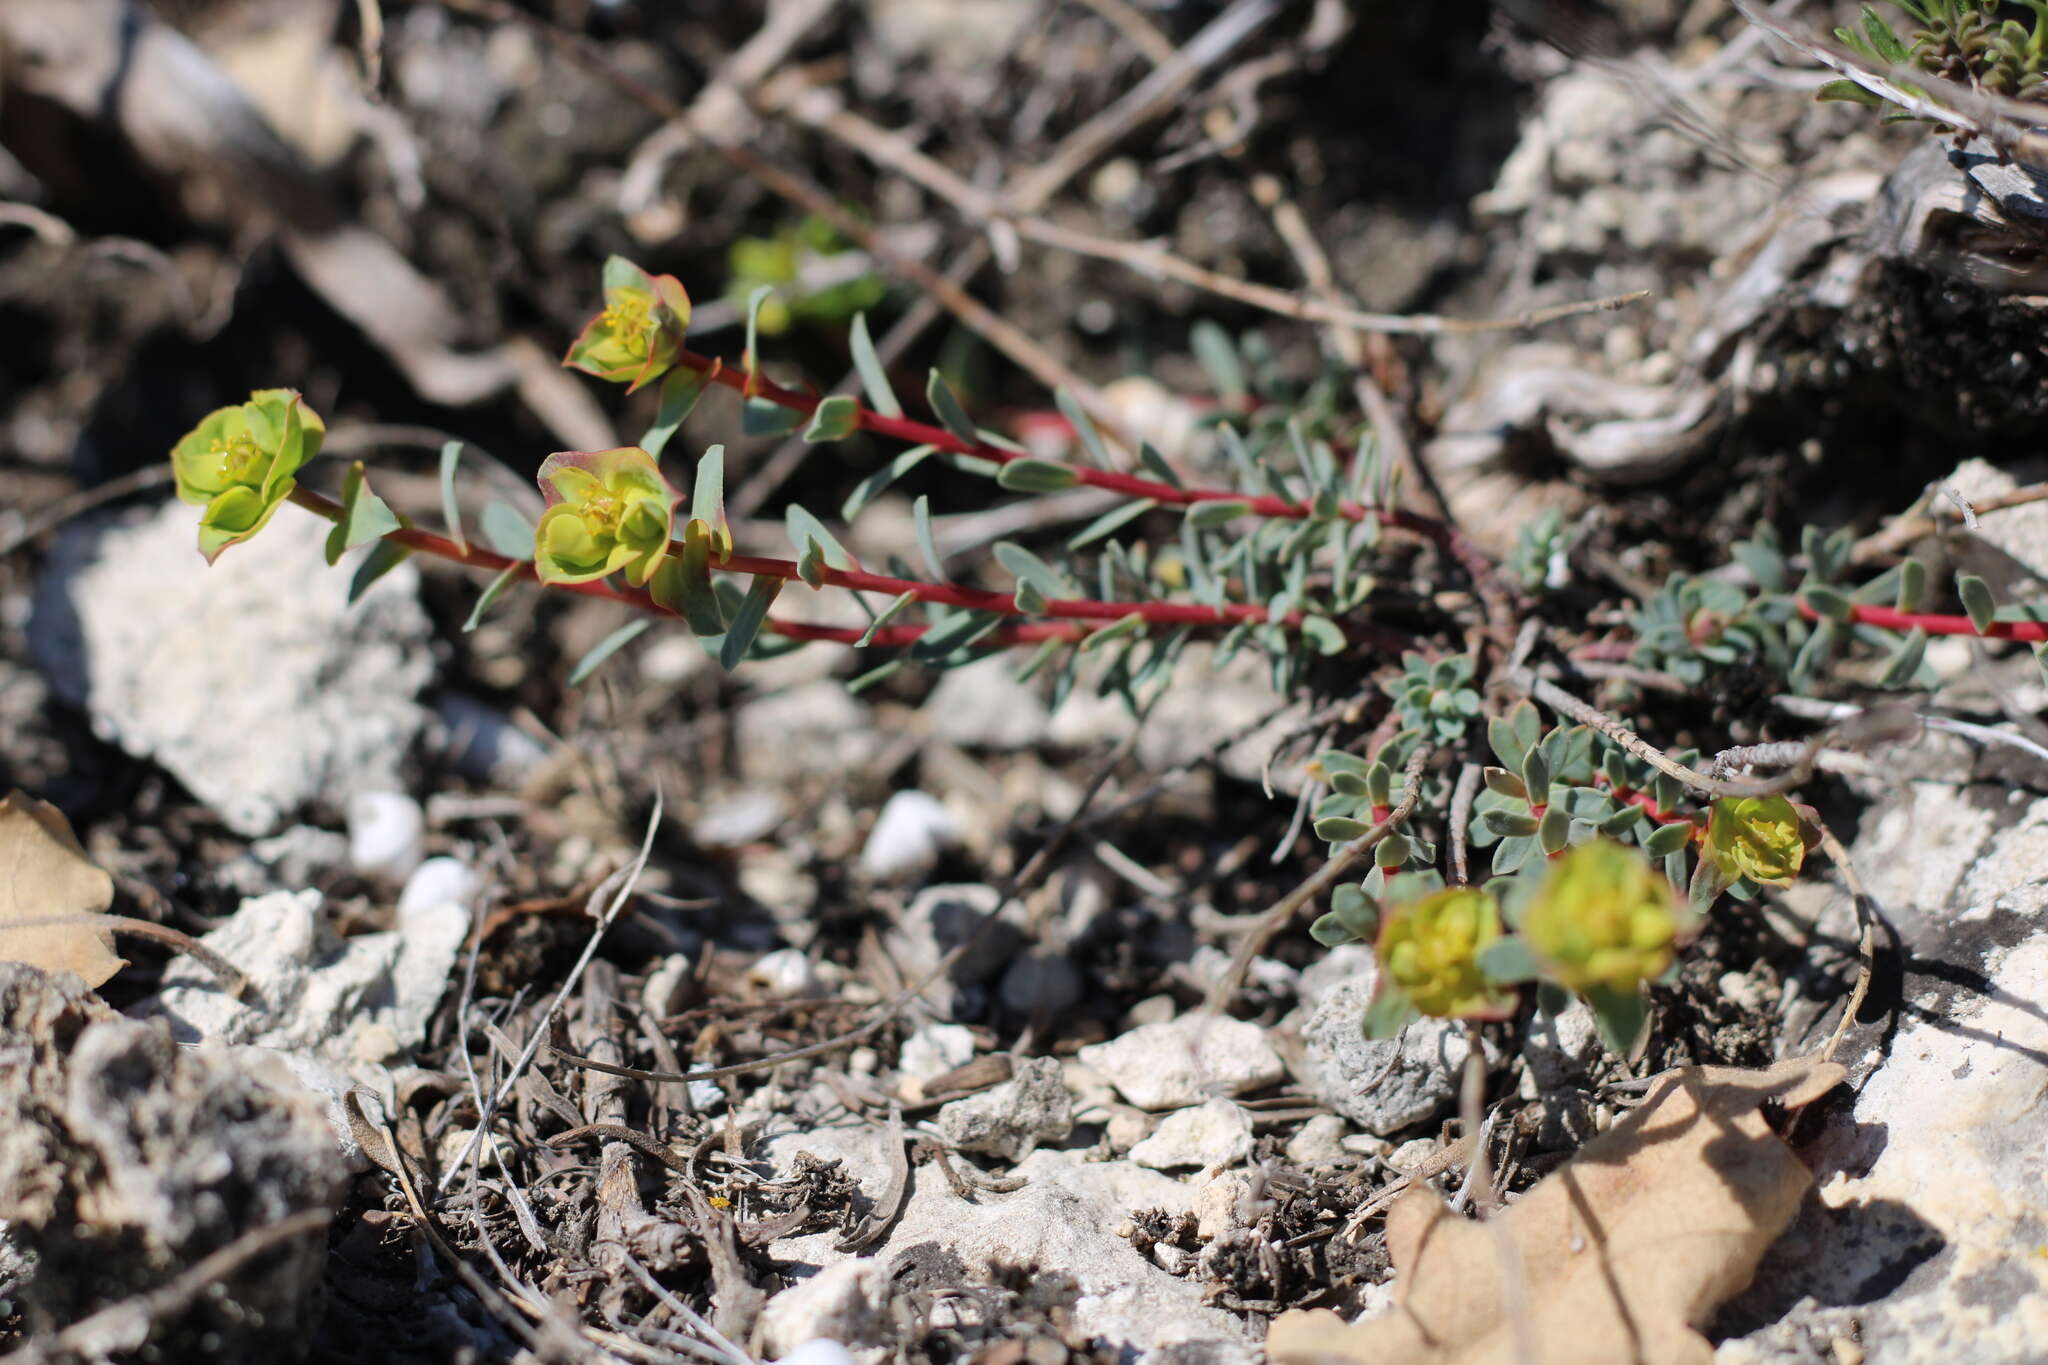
941	948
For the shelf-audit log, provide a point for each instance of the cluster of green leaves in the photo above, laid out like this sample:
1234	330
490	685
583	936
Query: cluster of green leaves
1436	697
816	277
1696	624
1587	844
1965	40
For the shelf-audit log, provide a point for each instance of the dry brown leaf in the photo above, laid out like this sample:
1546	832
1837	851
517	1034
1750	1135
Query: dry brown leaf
48	888
1614	1257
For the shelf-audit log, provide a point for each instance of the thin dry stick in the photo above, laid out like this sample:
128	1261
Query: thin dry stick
1324	877
1462	797
69	506
1894	538
824	112
997	330
1136	29
1564	703
623	879
1026	878
1158	94
1866	942
225	972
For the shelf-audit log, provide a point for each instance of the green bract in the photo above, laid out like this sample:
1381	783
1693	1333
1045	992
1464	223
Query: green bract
1429	950
607	510
1603	919
238	463
1758	837
641	329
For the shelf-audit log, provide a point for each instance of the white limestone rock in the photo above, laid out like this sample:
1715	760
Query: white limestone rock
253	681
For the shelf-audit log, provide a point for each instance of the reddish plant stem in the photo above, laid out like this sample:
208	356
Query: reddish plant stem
944	594
1445	537
1889	618
1645	802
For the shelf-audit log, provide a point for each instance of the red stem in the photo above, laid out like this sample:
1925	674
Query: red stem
1130	485
1629	796
945	594
1447	538
1889	618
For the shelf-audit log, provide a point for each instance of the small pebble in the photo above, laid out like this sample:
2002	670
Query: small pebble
1218	1133
785	974
818	1352
437	882
913	829
385	831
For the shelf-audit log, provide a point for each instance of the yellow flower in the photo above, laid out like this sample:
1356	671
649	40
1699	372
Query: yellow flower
1604	918
607	510
1758	837
1429	950
641	329
239	463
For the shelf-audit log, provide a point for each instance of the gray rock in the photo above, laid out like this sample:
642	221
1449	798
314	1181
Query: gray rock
1217	1133
1335	967
1202	702
483	743
1187	1060
357	1001
1061	1221
300	854
1043	983
844	1303
816	729
125	1159
1381	1085
913	829
1011	1119
1930	1183
741	818
1319	1143
1562	1049
939	919
818	1351
983	706
254	682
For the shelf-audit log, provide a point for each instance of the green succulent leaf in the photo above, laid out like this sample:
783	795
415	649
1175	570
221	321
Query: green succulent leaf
364	516
451	510
1978	602
834	419
602	651
874	378
1037	476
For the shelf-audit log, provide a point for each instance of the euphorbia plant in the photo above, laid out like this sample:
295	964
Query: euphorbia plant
1302	555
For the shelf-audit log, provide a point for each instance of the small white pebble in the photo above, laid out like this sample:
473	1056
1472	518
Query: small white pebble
818	1351
909	835
439	881
384	834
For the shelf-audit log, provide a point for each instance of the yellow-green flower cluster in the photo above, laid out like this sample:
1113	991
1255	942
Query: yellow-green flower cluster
607	510
1603	919
637	336
1758	837
1429	950
239	464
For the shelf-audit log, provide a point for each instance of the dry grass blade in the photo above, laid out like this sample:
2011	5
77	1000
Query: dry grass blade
620	887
